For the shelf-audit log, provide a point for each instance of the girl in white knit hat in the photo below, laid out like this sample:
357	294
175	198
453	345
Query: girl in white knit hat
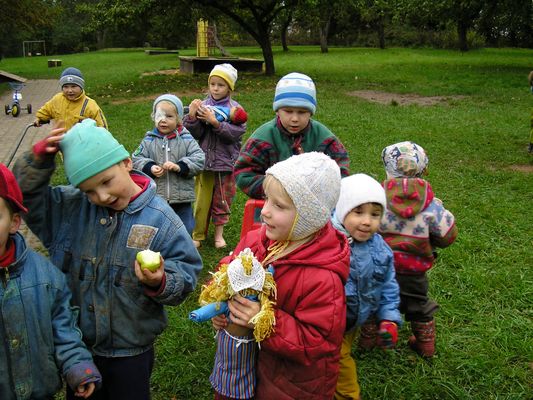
221	142
310	259
372	293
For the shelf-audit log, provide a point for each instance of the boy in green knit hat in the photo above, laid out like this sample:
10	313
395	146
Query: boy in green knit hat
93	230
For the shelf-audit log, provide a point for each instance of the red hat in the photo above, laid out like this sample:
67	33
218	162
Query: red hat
238	116
9	188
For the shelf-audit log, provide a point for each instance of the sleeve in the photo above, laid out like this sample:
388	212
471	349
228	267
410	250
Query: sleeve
183	265
142	156
442	228
196	127
336	150
71	354
254	159
228	132
47	206
390	294
46	112
194	159
318	321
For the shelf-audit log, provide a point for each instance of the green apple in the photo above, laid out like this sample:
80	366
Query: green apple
149	259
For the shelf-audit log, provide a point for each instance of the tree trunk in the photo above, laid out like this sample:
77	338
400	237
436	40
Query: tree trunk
284	29
381	33
462	29
324	31
268	56
101	39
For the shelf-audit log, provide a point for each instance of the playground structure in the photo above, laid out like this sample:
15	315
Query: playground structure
206	43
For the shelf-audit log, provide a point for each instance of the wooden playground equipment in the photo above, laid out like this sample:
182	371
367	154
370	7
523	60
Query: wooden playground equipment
206	44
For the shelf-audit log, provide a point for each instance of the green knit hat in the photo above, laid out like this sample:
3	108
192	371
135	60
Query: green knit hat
89	150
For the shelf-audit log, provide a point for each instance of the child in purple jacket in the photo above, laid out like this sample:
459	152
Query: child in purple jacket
221	142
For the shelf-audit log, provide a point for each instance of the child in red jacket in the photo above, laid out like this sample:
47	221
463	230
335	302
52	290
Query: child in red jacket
310	259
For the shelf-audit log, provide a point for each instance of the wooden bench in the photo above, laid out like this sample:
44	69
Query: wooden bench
156	52
194	65
54	63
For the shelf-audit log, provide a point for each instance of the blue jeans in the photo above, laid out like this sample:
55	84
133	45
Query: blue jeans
184	211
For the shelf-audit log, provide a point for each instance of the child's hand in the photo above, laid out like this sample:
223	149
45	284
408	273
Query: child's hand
219	322
243	310
193	108
208	115
157	170
170	166
387	335
49	146
85	390
148	277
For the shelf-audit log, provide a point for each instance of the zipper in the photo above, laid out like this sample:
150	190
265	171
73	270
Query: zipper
5	276
167	151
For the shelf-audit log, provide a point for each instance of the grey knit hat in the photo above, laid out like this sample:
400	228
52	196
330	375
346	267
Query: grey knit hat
174	100
313	182
72	76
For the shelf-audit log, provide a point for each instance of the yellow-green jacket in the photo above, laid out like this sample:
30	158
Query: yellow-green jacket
72	112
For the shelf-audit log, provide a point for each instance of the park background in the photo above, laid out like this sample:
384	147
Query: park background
469	107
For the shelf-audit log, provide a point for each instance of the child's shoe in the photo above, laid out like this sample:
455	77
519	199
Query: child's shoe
423	340
368	335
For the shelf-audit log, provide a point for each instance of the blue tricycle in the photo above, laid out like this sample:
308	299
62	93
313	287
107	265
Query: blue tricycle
15	108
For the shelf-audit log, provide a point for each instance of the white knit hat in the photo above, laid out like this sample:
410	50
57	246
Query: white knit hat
295	90
356	190
226	72
312	181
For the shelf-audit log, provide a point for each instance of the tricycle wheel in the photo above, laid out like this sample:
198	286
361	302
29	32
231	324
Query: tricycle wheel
28	108
15	110
6	108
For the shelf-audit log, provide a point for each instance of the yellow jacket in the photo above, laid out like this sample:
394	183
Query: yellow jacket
72	112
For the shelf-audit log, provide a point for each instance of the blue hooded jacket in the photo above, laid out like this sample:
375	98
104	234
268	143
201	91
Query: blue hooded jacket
371	288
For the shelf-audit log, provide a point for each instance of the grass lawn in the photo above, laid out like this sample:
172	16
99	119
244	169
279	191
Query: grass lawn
476	140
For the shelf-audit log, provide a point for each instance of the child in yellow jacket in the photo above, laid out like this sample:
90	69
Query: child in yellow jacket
71	105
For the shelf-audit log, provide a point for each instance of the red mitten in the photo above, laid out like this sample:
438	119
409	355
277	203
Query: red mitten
387	334
42	149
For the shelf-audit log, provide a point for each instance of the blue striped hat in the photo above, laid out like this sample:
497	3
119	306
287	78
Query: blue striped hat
295	90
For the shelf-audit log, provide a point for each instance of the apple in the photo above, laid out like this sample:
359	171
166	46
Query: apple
149	259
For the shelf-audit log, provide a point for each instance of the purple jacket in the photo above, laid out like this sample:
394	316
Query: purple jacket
221	146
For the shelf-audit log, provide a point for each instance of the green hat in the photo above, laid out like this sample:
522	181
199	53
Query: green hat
89	150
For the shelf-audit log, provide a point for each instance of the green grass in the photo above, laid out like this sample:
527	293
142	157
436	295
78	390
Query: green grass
479	167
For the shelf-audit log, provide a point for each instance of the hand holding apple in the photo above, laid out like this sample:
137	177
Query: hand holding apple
149	267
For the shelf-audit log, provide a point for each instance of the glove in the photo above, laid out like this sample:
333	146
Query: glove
387	334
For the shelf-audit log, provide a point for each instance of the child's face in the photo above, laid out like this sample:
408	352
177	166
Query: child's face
71	92
294	119
112	188
9	224
218	88
166	118
278	213
363	221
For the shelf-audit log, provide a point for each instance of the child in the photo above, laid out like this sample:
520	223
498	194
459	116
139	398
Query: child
71	105
93	230
171	156
530	80
414	223
39	335
310	260
293	131
371	289
220	141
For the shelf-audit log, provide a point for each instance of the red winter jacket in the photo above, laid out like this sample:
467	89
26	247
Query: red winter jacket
301	359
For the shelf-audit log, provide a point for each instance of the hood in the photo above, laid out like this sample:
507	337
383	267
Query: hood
329	250
407	197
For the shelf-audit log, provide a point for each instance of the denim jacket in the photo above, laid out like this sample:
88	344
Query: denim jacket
96	250
39	336
371	288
